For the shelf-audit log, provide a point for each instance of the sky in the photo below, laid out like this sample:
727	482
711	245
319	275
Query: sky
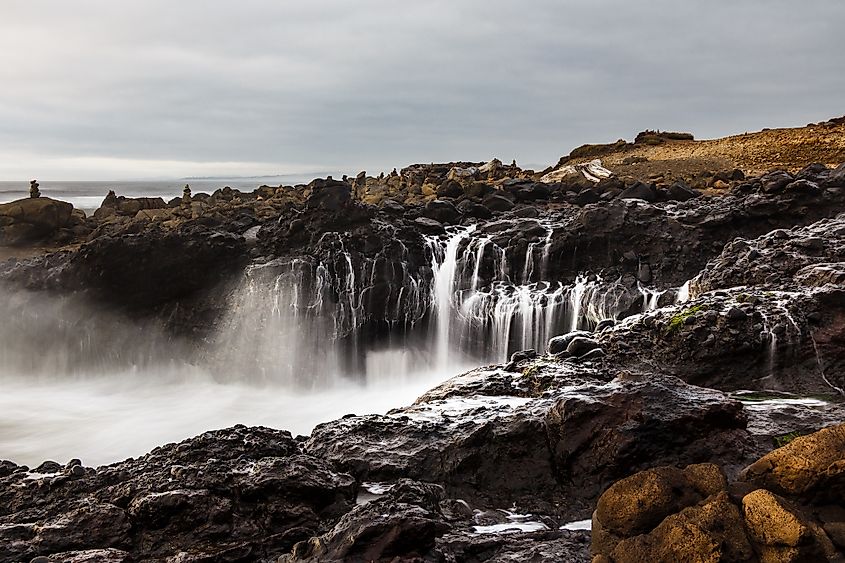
134	89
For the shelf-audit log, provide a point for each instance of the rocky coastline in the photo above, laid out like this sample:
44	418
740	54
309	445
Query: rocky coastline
693	409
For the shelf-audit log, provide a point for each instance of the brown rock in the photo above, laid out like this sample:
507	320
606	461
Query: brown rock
637	504
711	532
32	219
771	521
706	478
800	465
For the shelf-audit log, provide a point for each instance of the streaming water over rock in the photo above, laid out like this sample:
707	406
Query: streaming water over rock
470	306
298	336
489	308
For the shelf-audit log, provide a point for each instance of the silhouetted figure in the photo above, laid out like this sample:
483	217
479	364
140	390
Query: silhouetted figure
33	189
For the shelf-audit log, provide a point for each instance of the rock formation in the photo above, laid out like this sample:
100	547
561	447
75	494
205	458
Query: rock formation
664	338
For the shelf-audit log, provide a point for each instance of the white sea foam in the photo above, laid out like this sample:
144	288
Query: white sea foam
111	417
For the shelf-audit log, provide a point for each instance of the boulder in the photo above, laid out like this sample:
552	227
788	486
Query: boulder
801	465
429	226
679	191
32	219
442	211
771	522
639	190
586	196
560	343
331	195
403	524
668	514
710	532
470	209
131	206
581	345
451	189
637	504
497	203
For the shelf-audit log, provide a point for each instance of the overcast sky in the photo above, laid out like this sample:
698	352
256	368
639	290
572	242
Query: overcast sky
108	89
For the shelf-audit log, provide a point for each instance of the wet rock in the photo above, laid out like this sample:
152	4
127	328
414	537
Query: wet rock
430	226
476	447
581	345
86	556
641	422
442	211
241	490
516	547
404	523
559	344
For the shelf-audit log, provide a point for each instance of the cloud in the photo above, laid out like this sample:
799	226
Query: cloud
212	87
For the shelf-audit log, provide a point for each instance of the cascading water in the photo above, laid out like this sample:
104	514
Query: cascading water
302	340
444	264
482	312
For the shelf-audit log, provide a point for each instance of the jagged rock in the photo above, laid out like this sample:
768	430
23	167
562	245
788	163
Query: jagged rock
86	556
547	545
630	425
773	339
245	491
775	259
329	194
404	523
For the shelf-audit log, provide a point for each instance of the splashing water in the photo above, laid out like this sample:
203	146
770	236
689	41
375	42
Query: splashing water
289	351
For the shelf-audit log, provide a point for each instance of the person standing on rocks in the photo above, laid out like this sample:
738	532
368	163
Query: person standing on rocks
34	192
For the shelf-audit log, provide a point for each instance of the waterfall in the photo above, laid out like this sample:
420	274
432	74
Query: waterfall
480	311
683	294
651	297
